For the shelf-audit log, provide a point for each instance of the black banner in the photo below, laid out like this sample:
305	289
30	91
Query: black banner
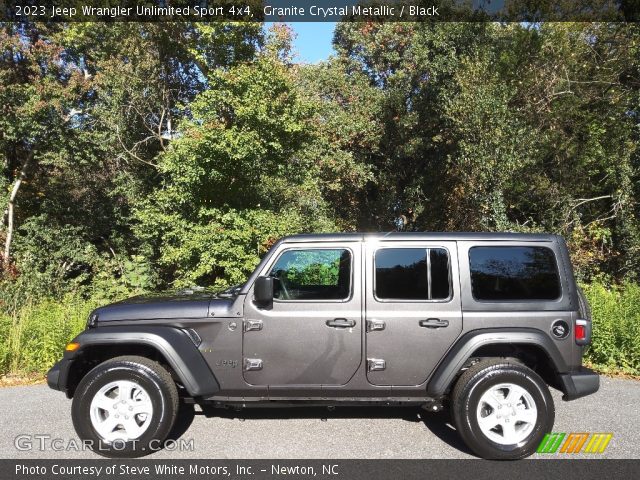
320	10
540	469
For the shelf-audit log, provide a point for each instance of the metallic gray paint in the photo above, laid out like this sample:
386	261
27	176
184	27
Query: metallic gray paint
296	345
161	307
453	362
410	351
174	344
305	359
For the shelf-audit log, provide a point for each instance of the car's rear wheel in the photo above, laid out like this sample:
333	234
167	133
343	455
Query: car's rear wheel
125	407
502	409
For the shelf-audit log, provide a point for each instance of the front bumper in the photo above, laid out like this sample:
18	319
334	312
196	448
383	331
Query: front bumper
579	383
58	375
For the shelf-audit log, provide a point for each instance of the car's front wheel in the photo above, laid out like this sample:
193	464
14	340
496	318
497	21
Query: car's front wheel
125	407
502	409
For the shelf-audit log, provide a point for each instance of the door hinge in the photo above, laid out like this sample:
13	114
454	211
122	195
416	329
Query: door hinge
376	364
373	325
252	325
252	364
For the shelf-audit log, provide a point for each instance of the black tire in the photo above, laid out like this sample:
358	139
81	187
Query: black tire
465	399
162	392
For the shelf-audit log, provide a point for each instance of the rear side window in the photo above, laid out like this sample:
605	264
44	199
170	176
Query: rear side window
412	274
513	273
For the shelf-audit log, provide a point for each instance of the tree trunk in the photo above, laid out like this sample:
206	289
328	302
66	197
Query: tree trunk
9	214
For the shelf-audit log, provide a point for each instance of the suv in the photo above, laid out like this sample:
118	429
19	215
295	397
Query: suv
480	323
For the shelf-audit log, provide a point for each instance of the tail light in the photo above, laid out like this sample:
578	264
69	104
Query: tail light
582	331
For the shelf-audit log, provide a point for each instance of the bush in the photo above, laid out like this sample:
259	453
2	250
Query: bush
33	337
616	327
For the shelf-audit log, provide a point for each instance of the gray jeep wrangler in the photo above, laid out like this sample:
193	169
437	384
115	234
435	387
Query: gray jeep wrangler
480	323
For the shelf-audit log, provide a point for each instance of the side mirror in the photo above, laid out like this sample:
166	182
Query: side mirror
263	291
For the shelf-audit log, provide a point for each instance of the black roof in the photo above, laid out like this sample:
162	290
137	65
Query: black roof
442	236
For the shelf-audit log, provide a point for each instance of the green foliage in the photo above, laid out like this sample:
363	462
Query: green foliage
234	182
238	147
223	246
616	327
151	155
47	253
34	337
506	127
346	127
117	278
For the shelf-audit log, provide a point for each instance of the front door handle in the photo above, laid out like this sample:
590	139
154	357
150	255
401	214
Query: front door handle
433	323
341	323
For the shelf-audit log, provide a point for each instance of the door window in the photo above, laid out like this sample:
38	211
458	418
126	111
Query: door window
412	274
439	263
313	274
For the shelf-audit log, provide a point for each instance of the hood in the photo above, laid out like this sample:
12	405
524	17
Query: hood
167	306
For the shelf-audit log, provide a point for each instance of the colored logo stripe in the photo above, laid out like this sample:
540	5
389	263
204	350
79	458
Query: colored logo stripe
598	442
550	443
574	443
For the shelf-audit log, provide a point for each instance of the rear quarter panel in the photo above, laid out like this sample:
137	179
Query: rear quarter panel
532	314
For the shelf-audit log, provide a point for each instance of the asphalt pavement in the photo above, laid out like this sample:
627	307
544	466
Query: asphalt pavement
36	423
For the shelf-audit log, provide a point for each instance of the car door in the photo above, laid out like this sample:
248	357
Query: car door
413	309
311	335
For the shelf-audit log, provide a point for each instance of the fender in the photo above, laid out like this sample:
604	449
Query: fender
173	343
463	349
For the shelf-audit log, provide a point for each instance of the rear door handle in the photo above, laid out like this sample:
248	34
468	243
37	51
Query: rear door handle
341	323
433	323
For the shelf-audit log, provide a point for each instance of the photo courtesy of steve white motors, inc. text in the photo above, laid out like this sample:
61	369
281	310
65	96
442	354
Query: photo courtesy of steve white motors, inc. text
171	470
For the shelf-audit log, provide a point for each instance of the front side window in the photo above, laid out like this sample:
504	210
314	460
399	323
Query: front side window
412	274
513	273
313	274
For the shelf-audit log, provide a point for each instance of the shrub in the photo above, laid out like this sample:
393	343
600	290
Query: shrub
33	337
616	327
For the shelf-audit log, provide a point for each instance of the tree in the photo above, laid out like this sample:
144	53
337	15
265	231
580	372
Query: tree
346	127
508	127
234	180
40	95
88	108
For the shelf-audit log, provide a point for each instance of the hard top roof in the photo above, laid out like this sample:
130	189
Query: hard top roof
442	236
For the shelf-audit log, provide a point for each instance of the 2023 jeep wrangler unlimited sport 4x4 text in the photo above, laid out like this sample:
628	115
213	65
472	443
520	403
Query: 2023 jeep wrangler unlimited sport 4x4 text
480	323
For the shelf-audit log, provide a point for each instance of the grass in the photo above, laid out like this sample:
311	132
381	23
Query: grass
21	380
33	337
